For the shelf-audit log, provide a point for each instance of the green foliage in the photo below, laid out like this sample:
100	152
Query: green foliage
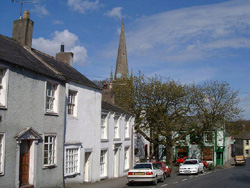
164	107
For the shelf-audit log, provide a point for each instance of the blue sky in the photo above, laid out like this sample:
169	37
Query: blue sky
186	40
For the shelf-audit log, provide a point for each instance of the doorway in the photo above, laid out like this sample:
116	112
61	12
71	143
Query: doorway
24	167
116	162
87	174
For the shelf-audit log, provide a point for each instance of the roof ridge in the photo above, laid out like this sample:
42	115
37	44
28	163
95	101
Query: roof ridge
43	62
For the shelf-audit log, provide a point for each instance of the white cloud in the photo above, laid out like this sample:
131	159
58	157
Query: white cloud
70	40
115	12
40	10
245	105
191	34
82	6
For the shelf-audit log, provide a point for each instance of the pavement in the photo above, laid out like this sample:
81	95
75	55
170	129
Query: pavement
122	181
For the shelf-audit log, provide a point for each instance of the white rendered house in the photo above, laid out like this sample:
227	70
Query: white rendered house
117	146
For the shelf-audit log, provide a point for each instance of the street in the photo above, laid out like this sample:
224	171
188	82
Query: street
237	176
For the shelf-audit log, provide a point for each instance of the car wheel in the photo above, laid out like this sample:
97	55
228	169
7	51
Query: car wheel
155	181
163	178
202	170
130	183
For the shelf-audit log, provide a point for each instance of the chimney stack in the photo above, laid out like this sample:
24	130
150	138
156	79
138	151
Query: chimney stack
23	30
66	57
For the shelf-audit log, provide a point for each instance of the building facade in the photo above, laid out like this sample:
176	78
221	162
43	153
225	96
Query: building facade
32	119
117	153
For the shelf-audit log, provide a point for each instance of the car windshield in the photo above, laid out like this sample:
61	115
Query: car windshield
191	162
157	165
143	166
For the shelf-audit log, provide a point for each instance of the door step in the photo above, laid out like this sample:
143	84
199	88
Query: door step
27	186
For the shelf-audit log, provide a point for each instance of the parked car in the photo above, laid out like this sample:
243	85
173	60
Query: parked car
240	160
145	172
191	166
167	169
205	164
181	160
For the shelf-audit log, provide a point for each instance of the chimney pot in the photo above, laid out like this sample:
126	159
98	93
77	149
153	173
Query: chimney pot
62	47
26	14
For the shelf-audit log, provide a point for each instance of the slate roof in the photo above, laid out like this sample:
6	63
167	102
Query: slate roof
243	136
110	107
12	52
66	70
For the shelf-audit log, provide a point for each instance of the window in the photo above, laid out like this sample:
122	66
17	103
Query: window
247	152
126	158
1	153
247	142
104	126
182	137
127	129
72	103
116	127
3	87
49	150
103	163
51	97
72	161
209	136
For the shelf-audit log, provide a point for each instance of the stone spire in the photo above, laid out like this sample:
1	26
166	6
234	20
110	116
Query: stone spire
121	70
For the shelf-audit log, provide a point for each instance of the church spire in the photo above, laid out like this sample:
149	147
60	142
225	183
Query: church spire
121	70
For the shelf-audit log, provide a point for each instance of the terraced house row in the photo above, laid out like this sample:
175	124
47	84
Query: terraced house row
54	127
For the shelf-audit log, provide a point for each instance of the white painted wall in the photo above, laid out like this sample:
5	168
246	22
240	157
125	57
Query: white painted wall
111	144
84	129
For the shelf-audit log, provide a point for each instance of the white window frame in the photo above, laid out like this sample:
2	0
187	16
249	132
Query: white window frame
72	102
126	158
127	128
103	163
2	153
3	86
72	160
104	126
117	123
52	96
51	161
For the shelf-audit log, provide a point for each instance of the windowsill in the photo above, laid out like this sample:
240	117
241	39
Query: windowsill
104	177
127	139
3	107
49	166
72	175
117	139
126	170
72	117
51	114
104	140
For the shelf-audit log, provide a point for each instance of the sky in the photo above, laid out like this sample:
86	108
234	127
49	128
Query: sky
190	41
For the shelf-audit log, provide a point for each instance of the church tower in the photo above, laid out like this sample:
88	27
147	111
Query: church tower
121	70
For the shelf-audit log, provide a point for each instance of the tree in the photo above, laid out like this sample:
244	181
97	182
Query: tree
166	111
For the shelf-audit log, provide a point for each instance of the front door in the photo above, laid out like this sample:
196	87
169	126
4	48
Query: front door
219	158
116	162
24	162
86	167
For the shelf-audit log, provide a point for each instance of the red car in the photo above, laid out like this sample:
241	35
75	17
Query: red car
167	169
181	160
